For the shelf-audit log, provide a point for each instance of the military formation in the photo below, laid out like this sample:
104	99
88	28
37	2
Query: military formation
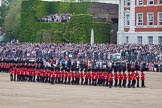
95	77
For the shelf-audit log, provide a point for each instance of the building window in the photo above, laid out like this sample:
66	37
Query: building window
150	39
139	19
127	19
139	39
160	18
160	1
160	39
127	2
150	2
150	19
139	2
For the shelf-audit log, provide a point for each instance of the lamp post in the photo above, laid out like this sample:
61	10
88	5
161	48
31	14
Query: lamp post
10	35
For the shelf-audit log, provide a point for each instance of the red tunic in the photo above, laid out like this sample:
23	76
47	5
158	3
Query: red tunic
133	76
52	75
89	76
110	78
107	76
59	74
81	75
142	76
93	75
86	75
103	76
76	74
65	74
115	76
69	75
137	75
72	75
10	71
120	77
124	76
129	76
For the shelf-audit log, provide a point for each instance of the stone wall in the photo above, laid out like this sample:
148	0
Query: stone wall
109	12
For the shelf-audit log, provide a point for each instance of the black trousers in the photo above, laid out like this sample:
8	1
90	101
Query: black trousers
89	81
52	81
137	82
11	77
69	79
133	83
86	82
58	81
110	84
107	83
65	81
129	83
99	82
120	81
116	83
73	81
142	83
124	83
82	81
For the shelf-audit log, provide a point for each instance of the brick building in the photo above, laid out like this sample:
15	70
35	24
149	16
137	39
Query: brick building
140	21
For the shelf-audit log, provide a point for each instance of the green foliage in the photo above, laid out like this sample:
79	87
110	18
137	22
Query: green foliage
78	30
3	13
11	19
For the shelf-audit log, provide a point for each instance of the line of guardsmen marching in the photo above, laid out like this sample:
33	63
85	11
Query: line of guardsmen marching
107	78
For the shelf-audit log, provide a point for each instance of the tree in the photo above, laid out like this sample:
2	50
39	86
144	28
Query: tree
11	23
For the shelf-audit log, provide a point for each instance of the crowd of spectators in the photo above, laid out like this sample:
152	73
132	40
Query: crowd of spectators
98	56
55	18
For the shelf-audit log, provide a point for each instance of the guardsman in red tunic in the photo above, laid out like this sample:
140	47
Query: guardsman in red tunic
11	74
26	74
116	79
62	76
124	79
107	79
33	75
65	77
86	78
18	74
89	77
38	75
59	77
129	79
52	77
21	74
133	79
96	78
110	79
76	77
93	78
56	79
44	76
30	75
99	78
49	74
103	78
81	77
120	78
14	71
142	79
69	77
73	77
137	77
